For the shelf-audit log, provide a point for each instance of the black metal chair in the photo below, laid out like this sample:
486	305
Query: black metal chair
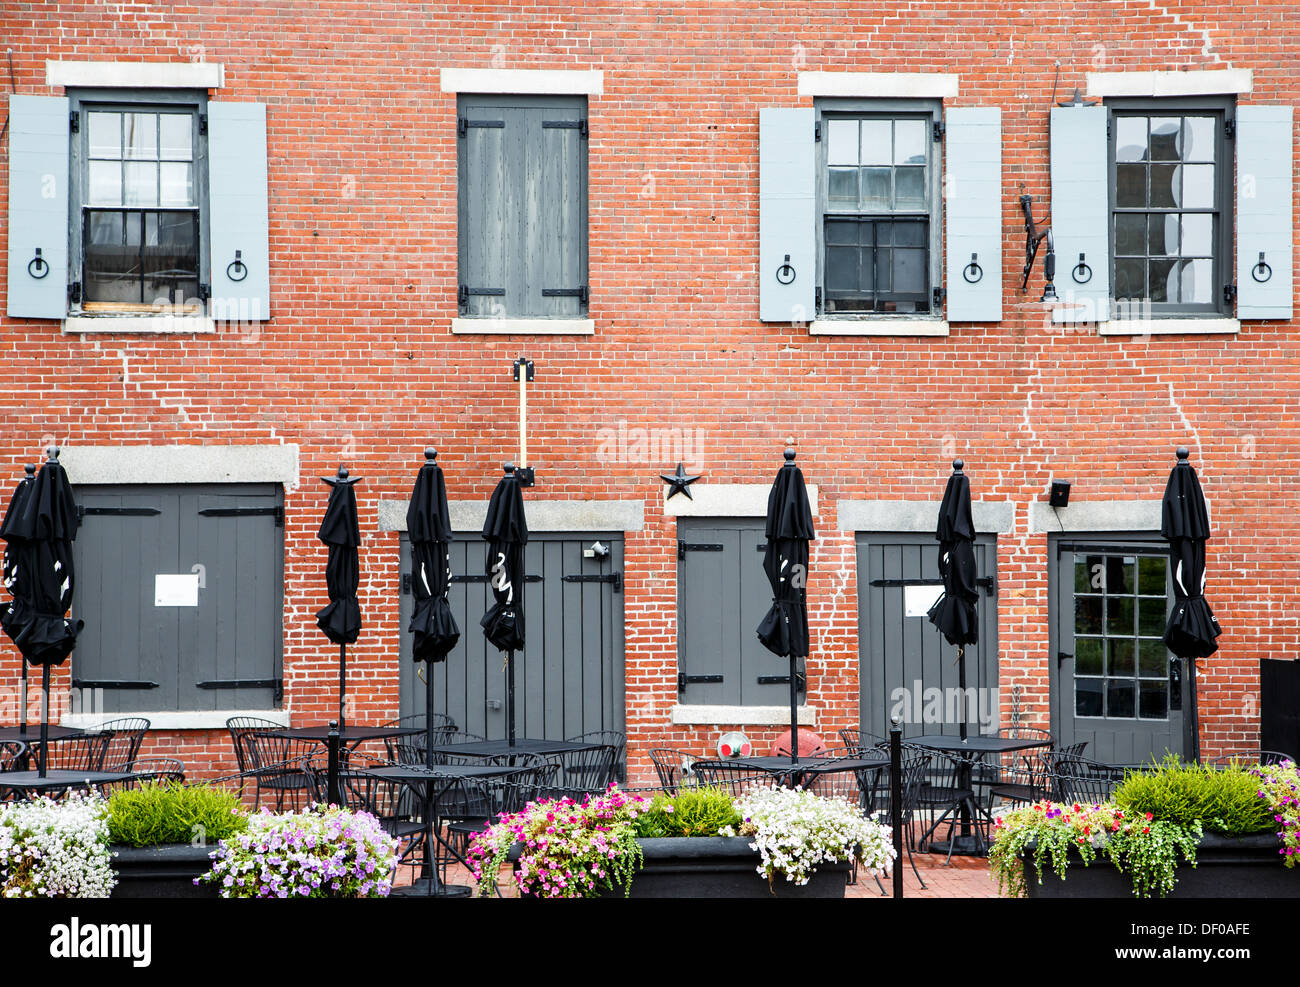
1016	778
125	737
862	741
13	755
411	748
672	766
534	779
79	752
158	769
614	738
272	763
584	772
946	792
730	776
1078	779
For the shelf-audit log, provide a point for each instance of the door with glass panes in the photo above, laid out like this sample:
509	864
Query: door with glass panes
1114	683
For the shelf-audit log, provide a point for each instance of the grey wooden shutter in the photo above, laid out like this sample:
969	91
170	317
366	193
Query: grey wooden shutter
787	215
38	207
486	201
1264	212
555	218
1081	211
237	207
973	213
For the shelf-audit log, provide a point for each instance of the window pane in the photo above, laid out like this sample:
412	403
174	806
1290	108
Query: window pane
175	137
1153	660
843	185
1198	187
1131	139
842	269
1194	281
171	257
876	142
1087	615
1087	697
1164	235
1119	574
909	271
1131	234
1120	700
1131	185
905	234
909	188
1119	615
1151	616
1130	279
842	142
875	192
1120	657
177	184
141	184
1164	138
909	142
1151	575
1154	703
141	136
1088	574
104	134
1198	236
1088	656
1164	280
112	257
1198	139
1164	192
105	183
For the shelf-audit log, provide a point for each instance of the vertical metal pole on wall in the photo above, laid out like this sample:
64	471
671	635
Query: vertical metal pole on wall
896	801
332	745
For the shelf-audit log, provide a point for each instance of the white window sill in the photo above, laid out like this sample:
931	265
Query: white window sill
162	325
878	327
757	716
210	719
524	327
1166	327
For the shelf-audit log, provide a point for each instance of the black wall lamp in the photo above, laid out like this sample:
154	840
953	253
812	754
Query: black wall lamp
1059	495
1034	235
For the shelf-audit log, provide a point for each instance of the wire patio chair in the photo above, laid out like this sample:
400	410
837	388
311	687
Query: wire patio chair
125	737
730	776
613	738
672	766
1078	779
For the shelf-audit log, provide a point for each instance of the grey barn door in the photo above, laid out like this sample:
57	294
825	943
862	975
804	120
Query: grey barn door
906	667
568	679
223	652
722	596
1114	683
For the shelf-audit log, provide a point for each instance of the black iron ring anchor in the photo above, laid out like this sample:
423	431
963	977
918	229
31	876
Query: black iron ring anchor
1082	272
1262	268
237	265
972	273
785	274
43	266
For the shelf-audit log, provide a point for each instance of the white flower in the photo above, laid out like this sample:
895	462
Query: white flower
56	849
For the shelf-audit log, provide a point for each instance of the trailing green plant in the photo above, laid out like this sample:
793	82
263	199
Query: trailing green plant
691	812
1135	843
1223	800
1279	787
170	812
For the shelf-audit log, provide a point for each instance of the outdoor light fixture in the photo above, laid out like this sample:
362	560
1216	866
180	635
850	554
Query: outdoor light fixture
1033	237
1060	493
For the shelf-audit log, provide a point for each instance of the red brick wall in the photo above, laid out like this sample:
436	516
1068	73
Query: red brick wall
363	239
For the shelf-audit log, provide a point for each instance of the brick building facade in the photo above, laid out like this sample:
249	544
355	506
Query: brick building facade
364	353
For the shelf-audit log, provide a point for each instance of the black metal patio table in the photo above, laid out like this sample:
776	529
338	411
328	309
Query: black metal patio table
33	734
31	782
430	784
781	768
503	748
347	734
971	751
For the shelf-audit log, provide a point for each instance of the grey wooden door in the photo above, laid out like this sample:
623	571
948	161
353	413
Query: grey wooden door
225	652
569	677
722	595
906	667
1114	683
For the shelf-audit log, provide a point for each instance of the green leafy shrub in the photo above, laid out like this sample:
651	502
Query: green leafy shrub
1223	800
167	812
691	812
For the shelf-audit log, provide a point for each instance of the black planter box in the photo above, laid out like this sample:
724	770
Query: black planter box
1226	867
166	871
720	867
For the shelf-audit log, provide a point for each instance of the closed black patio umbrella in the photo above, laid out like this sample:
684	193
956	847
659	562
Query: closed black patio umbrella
340	621
506	532
1192	630
47	526
789	528
16	565
428	525
955	613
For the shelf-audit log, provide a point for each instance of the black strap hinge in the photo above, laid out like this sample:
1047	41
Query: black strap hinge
276	684
1229	293
581	293
463	124
939	130
74	121
276	512
800	681
612	577
74	292
203	123
684	547
683	680
113	684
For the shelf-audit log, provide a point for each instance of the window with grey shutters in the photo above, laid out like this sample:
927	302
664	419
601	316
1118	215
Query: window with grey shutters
1171	206
138	222
879	191
145	648
522	212
722	596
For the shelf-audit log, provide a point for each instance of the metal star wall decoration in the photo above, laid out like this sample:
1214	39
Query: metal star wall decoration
678	482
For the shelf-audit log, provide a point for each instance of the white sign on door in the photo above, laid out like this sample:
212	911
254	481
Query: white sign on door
180	590
917	600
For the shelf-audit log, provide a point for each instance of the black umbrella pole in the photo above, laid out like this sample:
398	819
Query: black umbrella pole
428	713
896	803
961	682
45	718
332	746
343	683
510	696
794	710
22	710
